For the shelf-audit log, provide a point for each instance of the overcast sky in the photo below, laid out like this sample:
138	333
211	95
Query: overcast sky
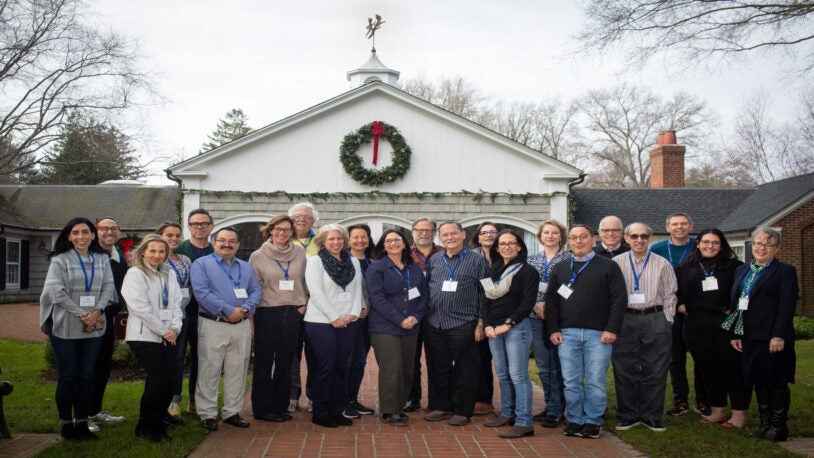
273	58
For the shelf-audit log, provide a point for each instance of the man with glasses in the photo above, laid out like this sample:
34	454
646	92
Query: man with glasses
108	233
305	215
677	247
585	306
421	251
641	354
197	246
451	327
228	293
610	235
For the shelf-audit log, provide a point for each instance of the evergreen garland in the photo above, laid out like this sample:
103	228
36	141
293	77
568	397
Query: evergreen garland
352	162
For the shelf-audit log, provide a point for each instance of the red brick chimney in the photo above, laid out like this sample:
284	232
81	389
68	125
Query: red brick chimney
667	162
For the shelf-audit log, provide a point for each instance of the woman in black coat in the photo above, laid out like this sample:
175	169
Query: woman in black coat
763	301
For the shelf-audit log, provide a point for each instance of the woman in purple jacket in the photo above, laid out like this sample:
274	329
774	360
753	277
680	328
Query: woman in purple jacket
398	300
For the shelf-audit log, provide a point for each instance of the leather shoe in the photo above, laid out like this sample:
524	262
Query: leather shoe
411	406
437	415
499	421
482	408
459	420
517	431
270	417
210	424
235	420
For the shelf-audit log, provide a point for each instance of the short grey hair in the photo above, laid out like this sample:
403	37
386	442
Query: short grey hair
422	219
772	234
610	218
646	226
300	206
319	240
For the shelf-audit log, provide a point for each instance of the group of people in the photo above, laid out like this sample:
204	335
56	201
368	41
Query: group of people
332	294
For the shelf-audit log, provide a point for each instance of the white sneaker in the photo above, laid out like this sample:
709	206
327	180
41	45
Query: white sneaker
174	410
92	427
292	406
107	417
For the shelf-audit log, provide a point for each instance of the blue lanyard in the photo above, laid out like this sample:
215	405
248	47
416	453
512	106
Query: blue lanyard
637	276
420	256
407	269
165	296
285	270
547	264
711	273
509	272
574	275
364	264
182	281
670	252
305	246
88	284
452	269
239	271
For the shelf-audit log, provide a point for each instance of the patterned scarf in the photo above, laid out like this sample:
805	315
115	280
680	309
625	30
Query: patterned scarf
340	271
735	320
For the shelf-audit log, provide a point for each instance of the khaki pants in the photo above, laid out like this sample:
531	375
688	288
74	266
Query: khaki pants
222	347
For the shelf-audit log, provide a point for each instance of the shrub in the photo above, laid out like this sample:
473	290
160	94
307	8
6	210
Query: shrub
803	328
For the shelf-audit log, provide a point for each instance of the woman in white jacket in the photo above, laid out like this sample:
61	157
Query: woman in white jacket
153	300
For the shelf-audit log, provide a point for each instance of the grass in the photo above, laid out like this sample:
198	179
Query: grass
31	409
685	436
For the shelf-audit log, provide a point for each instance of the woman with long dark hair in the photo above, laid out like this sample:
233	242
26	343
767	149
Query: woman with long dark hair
705	279
78	287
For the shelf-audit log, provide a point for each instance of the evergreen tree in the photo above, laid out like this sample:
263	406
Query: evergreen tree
89	152
232	127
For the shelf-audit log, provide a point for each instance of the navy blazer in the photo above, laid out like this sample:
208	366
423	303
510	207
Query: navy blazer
772	302
389	305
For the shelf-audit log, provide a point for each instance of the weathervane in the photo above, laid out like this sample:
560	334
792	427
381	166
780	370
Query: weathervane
372	27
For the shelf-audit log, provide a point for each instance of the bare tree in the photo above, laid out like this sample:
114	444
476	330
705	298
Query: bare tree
556	122
699	28
52	63
454	94
622	125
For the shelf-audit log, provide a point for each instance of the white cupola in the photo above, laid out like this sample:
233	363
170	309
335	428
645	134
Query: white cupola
373	70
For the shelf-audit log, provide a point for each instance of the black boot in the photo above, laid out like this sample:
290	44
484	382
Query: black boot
764	409
778	430
83	432
69	432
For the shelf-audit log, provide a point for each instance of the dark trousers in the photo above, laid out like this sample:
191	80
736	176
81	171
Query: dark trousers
415	390
357	362
486	383
678	367
720	366
188	336
76	365
276	336
641	357
394	354
303	348
452	368
332	347
159	362
104	364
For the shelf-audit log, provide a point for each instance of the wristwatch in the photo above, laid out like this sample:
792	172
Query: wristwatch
509	322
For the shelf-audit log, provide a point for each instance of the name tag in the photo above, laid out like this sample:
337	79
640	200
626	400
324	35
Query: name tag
450	286
487	283
543	288
413	293
286	285
565	291
636	298
87	301
240	293
709	284
184	293
344	298
165	315
743	303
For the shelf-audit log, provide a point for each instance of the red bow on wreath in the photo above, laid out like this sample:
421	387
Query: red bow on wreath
126	245
377	129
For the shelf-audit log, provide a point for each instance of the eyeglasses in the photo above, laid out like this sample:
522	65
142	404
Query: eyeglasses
610	231
507	244
764	245
199	225
485	233
226	242
392	241
424	231
639	236
710	242
574	238
303	217
281	230
107	229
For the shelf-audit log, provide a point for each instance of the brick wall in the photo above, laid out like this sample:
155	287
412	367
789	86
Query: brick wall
798	249
667	166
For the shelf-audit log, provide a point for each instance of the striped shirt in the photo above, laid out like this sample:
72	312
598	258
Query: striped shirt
449	309
657	281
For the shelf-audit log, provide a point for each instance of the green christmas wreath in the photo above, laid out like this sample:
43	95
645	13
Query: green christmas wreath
352	162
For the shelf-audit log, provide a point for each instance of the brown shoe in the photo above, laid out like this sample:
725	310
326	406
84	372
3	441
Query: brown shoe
459	420
517	431
499	421
437	415
482	408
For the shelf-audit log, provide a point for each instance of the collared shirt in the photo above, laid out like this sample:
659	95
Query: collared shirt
215	291
538	261
448	309
418	257
603	250
311	248
657	281
674	254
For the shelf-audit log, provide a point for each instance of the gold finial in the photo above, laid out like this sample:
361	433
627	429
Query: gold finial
372	27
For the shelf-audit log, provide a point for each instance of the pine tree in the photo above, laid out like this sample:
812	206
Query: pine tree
232	127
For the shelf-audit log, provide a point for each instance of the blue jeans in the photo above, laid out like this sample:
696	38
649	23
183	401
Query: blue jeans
76	366
357	360
332	347
548	366
584	359
510	354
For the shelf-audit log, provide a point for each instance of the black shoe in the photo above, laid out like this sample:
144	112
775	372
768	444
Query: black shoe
550	421
703	408
327	422
350	412
210	423
342	421
171	421
412	406
83	433
363	410
624	425
273	417
68	432
540	416
655	425
590	431
287	417
573	429
394	419
235	420
678	408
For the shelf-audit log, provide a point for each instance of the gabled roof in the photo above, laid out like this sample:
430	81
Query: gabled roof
136	208
769	202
